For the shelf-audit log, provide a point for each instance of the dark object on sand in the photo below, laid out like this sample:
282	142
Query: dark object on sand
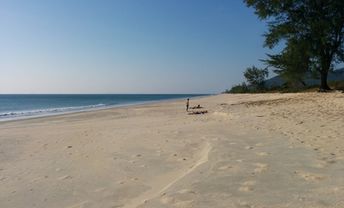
187	104
196	107
198	112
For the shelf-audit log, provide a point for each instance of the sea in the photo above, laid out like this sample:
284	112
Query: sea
16	106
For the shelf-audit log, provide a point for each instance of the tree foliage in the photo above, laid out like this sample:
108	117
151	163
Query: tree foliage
293	63
240	88
319	24
255	76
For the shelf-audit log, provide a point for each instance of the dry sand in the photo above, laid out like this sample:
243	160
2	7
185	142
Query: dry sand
263	150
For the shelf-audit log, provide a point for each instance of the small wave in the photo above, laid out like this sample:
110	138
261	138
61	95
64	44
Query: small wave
48	111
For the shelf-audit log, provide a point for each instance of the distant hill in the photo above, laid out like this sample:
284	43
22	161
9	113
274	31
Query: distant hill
336	75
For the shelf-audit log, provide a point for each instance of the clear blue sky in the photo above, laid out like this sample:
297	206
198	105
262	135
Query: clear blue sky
126	46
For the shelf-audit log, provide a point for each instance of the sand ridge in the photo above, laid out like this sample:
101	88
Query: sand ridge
164	183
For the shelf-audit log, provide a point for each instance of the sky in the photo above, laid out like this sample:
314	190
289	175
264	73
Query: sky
126	46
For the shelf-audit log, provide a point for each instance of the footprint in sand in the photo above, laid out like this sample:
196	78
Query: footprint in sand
249	147
183	204
310	176
260	167
80	205
65	177
117	206
225	167
244	205
259	144
186	191
262	153
247	186
329	160
99	190
167	199
182	159
173	201
319	164
136	155
182	198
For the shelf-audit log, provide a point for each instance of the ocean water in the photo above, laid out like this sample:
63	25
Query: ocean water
22	106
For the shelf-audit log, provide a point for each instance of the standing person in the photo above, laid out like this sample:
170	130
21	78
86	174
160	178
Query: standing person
187	104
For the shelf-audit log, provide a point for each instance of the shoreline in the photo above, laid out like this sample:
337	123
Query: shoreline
43	115
251	150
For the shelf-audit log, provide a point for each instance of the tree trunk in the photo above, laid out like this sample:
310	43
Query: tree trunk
302	82
323	84
325	68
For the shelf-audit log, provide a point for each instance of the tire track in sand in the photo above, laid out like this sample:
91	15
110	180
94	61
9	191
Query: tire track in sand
158	187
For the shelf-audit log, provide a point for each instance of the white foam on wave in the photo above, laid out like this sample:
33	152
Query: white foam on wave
38	112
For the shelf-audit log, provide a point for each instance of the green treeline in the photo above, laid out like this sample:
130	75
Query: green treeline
312	33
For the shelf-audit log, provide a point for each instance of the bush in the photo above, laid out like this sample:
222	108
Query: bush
256	77
240	88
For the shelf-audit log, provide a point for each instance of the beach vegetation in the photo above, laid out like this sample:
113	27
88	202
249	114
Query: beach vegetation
240	88
256	77
312	32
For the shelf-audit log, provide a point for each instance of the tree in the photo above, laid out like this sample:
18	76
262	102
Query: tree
255	76
293	63
240	88
319	23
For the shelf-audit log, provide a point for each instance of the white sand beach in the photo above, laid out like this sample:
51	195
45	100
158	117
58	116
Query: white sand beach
249	151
